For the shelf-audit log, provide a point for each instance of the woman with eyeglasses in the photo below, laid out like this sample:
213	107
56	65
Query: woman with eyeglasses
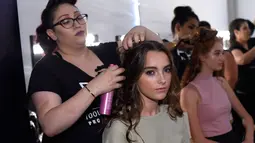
63	85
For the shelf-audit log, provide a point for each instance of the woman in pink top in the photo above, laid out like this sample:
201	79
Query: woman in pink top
207	97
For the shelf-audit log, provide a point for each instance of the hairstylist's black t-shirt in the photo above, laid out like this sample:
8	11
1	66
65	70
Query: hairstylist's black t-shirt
54	74
246	73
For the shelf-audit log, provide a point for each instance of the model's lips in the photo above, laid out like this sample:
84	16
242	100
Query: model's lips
162	89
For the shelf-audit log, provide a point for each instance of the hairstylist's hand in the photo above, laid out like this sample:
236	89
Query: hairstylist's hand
136	35
106	81
184	42
183	45
187	36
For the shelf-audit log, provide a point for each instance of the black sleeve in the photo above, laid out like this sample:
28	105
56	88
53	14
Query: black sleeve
107	52
238	47
251	42
43	79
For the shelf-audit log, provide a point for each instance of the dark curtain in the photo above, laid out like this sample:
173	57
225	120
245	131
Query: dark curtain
14	119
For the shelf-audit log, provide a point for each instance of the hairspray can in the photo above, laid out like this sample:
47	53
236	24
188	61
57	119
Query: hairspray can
106	102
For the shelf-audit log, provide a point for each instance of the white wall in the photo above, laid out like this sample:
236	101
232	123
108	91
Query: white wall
158	15
107	18
245	9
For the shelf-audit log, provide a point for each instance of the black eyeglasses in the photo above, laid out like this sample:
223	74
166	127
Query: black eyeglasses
69	22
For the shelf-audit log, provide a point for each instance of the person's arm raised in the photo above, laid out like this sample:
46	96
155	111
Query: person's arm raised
243	58
136	35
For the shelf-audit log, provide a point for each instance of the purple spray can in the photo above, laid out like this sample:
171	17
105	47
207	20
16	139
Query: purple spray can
106	102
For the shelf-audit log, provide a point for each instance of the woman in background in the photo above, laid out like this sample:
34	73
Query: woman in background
183	26
207	97
242	48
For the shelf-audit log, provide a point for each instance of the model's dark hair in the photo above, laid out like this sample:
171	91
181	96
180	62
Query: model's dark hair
182	15
203	42
128	103
47	17
235	25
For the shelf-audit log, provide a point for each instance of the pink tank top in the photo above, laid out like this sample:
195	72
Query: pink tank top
214	110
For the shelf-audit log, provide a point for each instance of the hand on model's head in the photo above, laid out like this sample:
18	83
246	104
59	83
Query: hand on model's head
135	35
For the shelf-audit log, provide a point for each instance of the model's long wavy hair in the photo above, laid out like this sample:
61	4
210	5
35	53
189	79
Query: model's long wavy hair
128	103
203	41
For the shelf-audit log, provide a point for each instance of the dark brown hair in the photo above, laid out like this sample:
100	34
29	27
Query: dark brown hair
128	103
203	41
182	15
235	25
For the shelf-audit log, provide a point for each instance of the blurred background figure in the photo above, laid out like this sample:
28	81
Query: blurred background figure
183	26
204	24
242	48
